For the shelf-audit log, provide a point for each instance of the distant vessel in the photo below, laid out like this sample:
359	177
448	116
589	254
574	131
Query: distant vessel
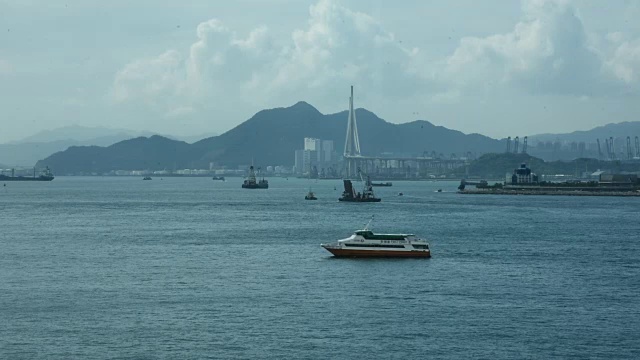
45	175
252	183
221	178
310	195
147	178
350	195
365	243
382	184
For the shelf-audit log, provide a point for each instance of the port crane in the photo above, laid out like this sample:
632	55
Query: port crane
599	150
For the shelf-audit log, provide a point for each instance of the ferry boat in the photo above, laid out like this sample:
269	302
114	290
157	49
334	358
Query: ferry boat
365	243
252	183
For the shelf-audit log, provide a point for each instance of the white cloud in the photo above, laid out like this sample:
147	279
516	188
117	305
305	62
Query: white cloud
625	62
339	46
150	80
547	52
5	67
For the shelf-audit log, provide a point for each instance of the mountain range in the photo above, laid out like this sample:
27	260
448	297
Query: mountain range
270	137
617	130
29	150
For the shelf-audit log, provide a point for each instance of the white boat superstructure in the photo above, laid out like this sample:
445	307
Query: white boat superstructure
365	243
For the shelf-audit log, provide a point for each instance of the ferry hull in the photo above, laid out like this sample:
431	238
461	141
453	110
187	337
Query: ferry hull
378	253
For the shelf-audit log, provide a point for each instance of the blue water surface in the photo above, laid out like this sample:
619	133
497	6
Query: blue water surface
117	267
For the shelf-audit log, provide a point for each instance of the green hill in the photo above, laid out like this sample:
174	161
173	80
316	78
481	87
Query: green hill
270	137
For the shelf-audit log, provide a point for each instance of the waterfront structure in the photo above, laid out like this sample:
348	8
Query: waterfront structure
522	175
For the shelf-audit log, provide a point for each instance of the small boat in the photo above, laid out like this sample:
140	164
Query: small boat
147	178
382	184
366	243
400	194
310	196
252	183
439	190
221	178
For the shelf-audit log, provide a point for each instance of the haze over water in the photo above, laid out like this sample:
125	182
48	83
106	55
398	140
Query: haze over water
194	268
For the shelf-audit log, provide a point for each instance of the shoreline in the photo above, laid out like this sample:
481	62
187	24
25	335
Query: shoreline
549	192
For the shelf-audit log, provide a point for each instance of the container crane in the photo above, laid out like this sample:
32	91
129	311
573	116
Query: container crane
600	150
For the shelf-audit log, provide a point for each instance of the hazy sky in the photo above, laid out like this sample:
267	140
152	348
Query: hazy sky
499	68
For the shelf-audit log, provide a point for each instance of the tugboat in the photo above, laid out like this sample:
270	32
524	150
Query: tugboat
251	183
350	195
365	243
45	175
310	195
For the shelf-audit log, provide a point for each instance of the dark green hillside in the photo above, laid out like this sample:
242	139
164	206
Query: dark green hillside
270	137
155	152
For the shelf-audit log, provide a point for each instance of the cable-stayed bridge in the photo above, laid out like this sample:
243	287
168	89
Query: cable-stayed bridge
411	166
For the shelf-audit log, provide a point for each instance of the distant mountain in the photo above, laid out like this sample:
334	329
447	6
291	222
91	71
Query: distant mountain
28	153
155	152
618	130
29	150
81	134
270	137
192	138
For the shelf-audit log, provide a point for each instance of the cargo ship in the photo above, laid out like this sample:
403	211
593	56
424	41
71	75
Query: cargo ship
382	184
45	175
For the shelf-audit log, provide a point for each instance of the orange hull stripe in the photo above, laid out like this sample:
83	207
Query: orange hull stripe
379	253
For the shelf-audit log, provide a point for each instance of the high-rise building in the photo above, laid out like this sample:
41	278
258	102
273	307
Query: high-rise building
316	152
312	144
299	162
327	151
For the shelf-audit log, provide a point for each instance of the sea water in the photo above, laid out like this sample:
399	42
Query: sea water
117	267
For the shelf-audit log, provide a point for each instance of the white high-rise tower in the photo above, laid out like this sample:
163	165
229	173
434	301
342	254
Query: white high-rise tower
351	143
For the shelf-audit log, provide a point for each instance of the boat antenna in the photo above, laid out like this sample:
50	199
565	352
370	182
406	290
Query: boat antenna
366	227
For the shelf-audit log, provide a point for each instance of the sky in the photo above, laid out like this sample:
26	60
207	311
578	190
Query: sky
496	67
